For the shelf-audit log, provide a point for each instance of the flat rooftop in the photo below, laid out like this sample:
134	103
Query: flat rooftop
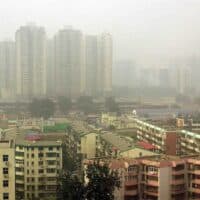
4	144
119	142
40	140
136	153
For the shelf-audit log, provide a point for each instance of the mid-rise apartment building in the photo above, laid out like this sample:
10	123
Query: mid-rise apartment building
158	177
7	170
189	142
165	141
89	145
193	167
38	166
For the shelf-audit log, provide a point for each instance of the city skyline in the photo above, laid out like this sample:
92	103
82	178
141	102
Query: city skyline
60	66
140	29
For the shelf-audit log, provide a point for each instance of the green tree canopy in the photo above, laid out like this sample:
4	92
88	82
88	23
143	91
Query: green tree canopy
64	104
72	188
42	108
86	104
111	105
102	182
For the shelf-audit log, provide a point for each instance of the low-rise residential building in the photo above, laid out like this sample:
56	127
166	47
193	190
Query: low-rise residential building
158	177
189	142
193	167
89	145
111	144
119	122
165	141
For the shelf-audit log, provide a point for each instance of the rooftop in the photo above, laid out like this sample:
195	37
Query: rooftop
136	153
40	141
119	142
6	144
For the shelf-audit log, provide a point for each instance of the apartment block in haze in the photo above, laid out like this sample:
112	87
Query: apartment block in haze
7	70
38	166
31	61
69	62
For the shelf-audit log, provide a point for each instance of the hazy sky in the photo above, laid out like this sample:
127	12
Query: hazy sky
141	29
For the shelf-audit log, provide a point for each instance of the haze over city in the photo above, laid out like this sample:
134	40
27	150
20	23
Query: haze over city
99	100
150	32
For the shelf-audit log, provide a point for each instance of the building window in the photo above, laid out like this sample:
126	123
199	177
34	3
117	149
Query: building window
5	158
32	155
27	171
51	162
5	170
40	148
51	154
50	148
40	155
5	196
40	171
5	183
40	163
51	170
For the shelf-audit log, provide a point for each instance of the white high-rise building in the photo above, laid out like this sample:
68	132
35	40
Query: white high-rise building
31	61
105	64
7	69
98	59
91	64
50	68
69	63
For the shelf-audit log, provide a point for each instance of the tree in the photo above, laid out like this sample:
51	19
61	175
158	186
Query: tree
111	128
86	104
111	105
64	104
100	186
102	182
72	188
41	108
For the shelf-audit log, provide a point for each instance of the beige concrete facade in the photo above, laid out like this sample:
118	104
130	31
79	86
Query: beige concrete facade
7	170
38	166
89	144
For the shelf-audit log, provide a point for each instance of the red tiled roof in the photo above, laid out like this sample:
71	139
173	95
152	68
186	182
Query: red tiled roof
146	145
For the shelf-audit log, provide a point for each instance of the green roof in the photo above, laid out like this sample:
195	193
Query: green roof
60	127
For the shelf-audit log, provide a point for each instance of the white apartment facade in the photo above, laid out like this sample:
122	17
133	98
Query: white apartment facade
31	61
